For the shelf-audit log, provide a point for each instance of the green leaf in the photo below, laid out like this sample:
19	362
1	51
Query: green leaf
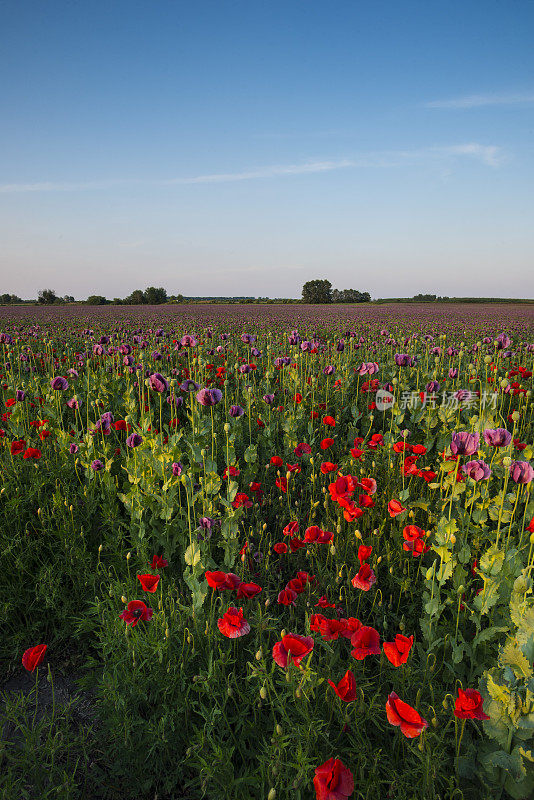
512	656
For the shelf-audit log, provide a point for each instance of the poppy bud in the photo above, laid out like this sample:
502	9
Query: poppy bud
435	722
332	550
188	640
263	693
421	745
288	678
402	625
298	694
230	692
100	546
259	655
226	427
531	538
110	592
128	555
283	633
272	794
124	600
358	534
279	730
506	461
39	514
264	527
267	603
379	559
460	589
167	633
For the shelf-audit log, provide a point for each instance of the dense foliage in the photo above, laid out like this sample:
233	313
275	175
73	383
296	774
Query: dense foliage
282	555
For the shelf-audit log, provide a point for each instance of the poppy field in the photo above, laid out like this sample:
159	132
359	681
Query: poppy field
278	552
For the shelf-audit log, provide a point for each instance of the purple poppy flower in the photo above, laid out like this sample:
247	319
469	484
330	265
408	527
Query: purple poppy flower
236	411
73	449
207	523
497	437
188	341
134	440
269	399
244	369
209	397
294	337
107	416
177	402
329	370
97	465
125	349
177	468
248	338
521	471
158	382
464	443
477	470
503	341
73	403
340	346
189	386
20	395
432	387
59	383
98	350
73	373
453	373
403	360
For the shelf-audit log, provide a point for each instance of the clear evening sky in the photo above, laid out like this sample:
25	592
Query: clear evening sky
245	147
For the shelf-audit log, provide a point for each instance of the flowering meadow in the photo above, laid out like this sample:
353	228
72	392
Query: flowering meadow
286	552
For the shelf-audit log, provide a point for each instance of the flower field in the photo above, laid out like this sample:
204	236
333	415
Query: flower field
286	552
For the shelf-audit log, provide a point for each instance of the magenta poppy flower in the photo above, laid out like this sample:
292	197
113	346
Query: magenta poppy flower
136	610
59	383
209	397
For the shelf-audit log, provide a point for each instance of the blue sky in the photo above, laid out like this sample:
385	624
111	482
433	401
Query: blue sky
246	147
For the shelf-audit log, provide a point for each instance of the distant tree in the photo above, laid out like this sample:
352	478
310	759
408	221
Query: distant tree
117	301
47	297
5	298
96	300
350	296
68	299
428	297
136	298
155	297
317	291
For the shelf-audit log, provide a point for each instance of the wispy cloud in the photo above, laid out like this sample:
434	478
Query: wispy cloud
480	100
489	155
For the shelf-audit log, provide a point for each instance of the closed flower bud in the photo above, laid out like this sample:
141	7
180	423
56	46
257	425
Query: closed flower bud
272	794
506	461
128	556
100	546
267	603
435	722
279	730
259	655
167	633
332	550
298	694
263	693
283	633
124	600
226	427
230	692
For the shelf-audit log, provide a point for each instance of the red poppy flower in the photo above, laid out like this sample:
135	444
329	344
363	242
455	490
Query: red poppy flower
281	483
276	461
346	688
17	447
330	421
232	624
296	584
395	508
32	452
323	602
419	449
232	581
135	611
291	529
331	629
315	622
333	781
326	443
397	652
296	544
302	449
400	713
316	534
158	562
149	582
292	648
328	466
416	546
260	423
469	705
248	590
364	578
412	532
298	398
351	625
34	656
234	472
242	500
293	468
287	597
121	425
356	453
364	551
366	642
280	548
216	580
368	485
351	512
342	488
